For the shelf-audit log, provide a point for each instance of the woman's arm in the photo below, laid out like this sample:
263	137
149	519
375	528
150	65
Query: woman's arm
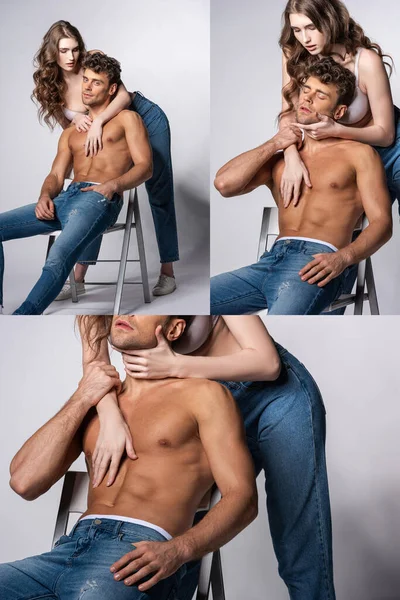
114	435
94	142
257	360
295	170
374	77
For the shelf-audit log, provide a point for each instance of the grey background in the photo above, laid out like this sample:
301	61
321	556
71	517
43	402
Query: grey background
163	48
355	363
245	101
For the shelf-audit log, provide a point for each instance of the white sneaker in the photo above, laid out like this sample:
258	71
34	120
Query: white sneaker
66	293
165	285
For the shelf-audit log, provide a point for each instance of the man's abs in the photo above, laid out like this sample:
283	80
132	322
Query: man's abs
329	211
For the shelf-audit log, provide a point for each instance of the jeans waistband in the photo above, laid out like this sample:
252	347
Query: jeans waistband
82	184
114	528
301	245
142	105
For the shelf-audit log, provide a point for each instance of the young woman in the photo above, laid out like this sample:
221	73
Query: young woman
316	28
58	83
284	418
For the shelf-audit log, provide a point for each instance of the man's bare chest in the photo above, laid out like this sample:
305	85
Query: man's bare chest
113	136
329	173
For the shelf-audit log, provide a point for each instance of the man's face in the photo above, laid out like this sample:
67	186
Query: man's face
136	332
316	97
96	88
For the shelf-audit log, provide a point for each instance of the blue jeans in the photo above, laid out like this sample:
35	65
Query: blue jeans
274	283
391	161
78	567
82	217
160	187
285	428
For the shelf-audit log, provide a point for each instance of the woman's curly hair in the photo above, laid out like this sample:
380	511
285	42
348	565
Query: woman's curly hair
50	87
331	18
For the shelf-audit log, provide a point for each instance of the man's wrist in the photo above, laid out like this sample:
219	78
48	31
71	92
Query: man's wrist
44	197
185	549
82	398
347	256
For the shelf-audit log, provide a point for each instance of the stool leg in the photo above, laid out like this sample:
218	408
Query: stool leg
371	289
72	283
360	286
124	256
142	254
262	244
52	239
203	588
217	581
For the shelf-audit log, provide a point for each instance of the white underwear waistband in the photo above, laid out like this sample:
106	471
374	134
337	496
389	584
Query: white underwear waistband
306	239
130	520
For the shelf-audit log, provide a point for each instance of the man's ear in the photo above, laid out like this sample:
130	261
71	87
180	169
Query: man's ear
175	329
113	89
339	112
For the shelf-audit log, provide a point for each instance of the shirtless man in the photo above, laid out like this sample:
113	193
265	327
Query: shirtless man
92	202
187	434
307	267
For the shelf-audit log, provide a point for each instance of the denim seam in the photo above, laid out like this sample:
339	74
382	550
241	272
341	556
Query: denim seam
17	225
317	493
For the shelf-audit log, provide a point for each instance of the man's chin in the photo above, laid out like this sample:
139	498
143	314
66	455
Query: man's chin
306	119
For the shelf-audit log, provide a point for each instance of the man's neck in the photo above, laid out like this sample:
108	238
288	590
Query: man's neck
311	146
95	111
136	387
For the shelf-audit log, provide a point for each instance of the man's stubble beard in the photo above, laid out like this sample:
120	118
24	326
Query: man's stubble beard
128	342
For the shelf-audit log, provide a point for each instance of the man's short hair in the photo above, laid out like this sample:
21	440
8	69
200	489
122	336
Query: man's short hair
327	70
101	63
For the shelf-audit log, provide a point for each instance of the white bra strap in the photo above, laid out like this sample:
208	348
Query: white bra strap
356	64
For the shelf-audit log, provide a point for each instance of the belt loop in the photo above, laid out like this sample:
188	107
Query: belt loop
118	527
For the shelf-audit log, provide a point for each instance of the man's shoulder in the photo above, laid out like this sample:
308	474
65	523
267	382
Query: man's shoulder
206	396
129	118
358	151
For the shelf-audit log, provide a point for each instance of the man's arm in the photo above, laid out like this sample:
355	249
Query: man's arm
371	183
222	435
49	452
54	181
251	169
140	150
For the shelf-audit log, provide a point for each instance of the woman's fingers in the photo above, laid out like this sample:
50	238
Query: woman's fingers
130	450
306	176
296	193
101	469
135	360
112	473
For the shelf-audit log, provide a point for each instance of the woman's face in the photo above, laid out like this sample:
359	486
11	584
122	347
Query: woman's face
68	54
307	34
